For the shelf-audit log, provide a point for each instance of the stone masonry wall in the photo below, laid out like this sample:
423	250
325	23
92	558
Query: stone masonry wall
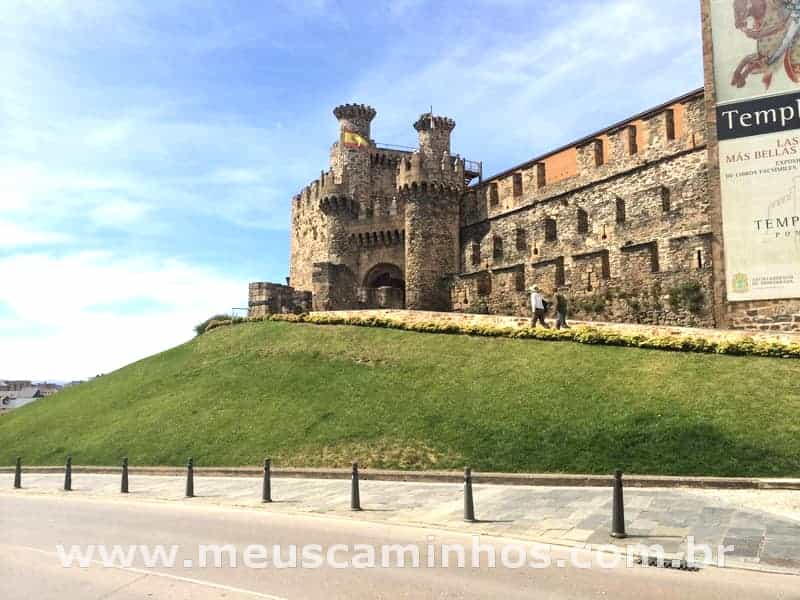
270	298
626	239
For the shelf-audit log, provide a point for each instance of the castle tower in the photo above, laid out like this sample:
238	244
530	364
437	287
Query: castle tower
431	182
434	135
350	155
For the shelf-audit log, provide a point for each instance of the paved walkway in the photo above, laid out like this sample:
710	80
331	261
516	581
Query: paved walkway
764	333
763	526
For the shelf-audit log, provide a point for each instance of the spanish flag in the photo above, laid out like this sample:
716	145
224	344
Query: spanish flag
353	140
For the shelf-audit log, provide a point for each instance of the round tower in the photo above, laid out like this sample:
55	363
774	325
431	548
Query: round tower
431	182
432	244
355	118
434	135
350	155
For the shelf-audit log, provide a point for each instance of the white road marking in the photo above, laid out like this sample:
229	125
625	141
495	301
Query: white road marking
210	584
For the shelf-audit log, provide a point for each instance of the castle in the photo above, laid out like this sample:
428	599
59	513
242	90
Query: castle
621	222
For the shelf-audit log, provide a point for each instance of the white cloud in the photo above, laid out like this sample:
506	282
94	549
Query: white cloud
118	213
57	332
17	235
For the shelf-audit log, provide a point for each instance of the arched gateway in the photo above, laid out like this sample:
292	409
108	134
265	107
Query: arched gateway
385	286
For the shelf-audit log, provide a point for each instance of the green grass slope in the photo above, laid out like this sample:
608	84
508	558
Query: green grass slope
321	396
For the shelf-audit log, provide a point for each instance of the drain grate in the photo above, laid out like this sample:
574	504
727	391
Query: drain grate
667	563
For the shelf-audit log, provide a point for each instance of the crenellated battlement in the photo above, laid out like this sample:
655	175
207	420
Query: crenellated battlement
425	189
322	187
430	122
420	169
354	111
355	119
340	206
382	158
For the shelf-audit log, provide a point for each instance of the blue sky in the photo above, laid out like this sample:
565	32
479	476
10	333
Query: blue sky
149	150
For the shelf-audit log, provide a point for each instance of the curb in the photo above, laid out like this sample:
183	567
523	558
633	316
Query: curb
521	479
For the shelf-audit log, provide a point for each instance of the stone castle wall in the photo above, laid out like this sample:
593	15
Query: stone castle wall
620	222
272	298
625	238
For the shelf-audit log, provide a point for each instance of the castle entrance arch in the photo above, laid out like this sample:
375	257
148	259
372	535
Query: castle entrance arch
385	287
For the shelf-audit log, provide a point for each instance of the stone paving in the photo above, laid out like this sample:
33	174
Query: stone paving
579	517
413	316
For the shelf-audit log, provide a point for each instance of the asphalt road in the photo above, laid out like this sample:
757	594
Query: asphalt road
31	527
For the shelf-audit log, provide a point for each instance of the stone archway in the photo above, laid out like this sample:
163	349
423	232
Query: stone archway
385	287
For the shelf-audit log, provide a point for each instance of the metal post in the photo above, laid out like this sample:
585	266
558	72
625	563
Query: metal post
124	485
355	497
469	506
18	474
190	478
68	475
618	518
266	489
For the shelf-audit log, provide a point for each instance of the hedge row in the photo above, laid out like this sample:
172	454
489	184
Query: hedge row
745	346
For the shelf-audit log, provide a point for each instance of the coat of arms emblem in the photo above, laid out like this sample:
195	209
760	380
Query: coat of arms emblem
741	283
775	26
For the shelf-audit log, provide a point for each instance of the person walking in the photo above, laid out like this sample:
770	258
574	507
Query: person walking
538	307
561	311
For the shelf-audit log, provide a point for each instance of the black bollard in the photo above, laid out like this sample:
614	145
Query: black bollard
124	486
190	478
618	519
18	474
266	489
469	506
355	497
68	475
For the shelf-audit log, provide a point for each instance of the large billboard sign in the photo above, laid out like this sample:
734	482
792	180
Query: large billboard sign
757	79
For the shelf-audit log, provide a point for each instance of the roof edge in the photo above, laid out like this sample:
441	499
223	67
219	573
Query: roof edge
591	136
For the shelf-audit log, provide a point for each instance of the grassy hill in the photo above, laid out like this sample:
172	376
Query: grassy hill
321	396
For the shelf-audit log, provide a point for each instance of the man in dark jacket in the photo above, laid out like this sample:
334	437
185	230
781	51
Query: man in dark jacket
561	311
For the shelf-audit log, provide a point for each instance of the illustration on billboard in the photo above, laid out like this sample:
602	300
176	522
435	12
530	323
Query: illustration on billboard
775	26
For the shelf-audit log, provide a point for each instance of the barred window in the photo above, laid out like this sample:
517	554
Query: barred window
583	221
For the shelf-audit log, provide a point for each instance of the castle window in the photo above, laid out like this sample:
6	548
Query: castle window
476	253
633	145
498	248
561	278
665	199
620	211
494	195
550	230
541	175
699	258
583	221
589	287
522	240
655	266
599	158
669	117
484	284
517	184
519	280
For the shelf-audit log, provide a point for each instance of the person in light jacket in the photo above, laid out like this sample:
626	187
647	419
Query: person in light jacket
538	307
